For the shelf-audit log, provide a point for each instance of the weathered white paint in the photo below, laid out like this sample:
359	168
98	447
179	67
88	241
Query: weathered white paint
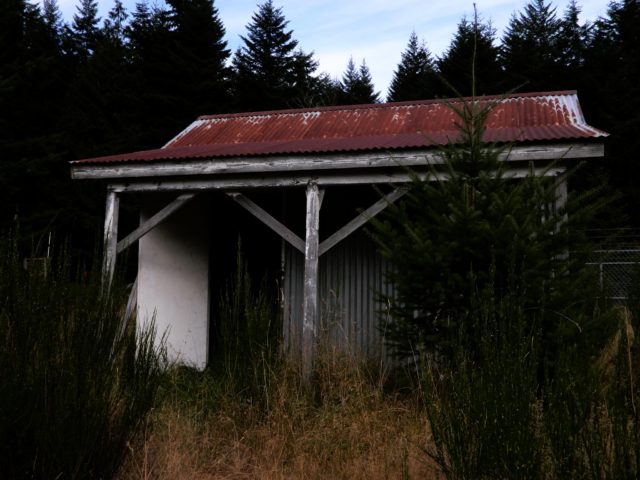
173	280
310	299
110	237
299	180
291	164
561	193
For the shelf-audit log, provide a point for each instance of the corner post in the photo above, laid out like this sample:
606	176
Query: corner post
310	302
110	237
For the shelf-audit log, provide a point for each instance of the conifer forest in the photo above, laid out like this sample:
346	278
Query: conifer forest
132	79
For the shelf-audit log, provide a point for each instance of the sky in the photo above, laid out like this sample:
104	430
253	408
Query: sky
376	31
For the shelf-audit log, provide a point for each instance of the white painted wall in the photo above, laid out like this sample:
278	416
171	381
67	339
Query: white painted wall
173	279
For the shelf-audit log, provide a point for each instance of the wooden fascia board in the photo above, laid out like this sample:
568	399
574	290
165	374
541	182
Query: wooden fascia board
305	163
298	180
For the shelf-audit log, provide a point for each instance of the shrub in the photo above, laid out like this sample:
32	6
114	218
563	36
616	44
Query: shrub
77	381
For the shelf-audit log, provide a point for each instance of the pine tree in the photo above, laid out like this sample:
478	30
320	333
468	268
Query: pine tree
531	53
472	44
322	91
357	85
199	52
612	95
115	23
33	176
85	30
11	34
98	118
51	14
415	78
269	70
479	231
573	41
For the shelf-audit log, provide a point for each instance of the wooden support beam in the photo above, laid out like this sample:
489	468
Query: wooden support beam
314	164
561	193
360	220
110	237
310	300
154	221
371	176
268	220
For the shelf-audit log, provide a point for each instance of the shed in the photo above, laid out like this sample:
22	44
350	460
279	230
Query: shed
283	166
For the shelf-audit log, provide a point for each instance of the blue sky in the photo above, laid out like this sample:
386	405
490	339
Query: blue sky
374	30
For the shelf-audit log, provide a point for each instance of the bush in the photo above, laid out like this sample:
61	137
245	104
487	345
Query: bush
492	417
77	381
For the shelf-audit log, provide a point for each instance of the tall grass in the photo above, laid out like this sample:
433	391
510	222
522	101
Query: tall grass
76	383
343	426
505	412
248	332
250	415
482	403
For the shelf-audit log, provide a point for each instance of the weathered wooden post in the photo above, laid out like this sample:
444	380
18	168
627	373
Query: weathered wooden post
310	303
561	194
110	238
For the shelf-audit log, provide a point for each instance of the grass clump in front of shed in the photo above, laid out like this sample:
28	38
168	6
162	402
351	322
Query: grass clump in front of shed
345	425
77	382
251	414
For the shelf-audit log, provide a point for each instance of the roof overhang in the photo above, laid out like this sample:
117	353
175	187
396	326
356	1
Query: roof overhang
328	169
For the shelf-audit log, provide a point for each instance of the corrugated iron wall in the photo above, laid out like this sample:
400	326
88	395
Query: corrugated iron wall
351	280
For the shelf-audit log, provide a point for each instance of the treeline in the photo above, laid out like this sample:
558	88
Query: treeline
133	79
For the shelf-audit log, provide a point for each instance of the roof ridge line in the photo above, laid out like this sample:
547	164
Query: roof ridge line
368	106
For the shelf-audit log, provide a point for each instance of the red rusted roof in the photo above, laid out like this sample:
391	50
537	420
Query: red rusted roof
403	125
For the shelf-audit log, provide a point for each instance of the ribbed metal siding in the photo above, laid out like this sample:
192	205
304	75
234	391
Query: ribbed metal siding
351	279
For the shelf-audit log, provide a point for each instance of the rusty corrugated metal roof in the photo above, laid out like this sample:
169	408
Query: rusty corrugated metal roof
403	125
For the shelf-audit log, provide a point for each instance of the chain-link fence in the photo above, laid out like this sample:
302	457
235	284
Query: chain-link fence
616	271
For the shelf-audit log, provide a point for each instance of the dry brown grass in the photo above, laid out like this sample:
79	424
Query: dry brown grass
345	427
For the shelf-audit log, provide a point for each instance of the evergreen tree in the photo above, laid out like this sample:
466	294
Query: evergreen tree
269	70
115	23
150	40
199	53
99	103
323	91
472	44
415	78
530	48
573	41
85	30
611	95
52	16
480	231
32	173
11	35
357	86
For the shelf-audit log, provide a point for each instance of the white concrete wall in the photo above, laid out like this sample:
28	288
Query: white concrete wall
173	279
